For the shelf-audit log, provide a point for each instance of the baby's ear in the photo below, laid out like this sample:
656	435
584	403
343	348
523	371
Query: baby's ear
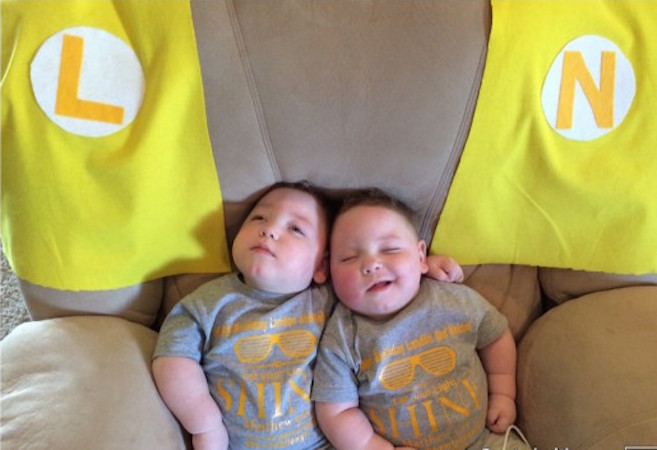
322	270
422	250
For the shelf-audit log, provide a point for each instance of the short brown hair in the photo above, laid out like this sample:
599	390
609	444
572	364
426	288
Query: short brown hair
373	196
326	204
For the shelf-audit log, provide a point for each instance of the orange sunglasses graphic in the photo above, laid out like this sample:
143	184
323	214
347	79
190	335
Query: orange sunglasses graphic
399	373
294	344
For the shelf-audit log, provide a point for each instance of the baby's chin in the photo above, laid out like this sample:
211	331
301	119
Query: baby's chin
273	285
383	312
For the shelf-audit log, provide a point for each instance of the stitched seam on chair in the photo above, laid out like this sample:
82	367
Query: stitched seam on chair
440	193
253	90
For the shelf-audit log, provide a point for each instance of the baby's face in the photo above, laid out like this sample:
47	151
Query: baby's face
377	260
281	244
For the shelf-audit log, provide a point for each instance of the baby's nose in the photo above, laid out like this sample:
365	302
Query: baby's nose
371	267
268	233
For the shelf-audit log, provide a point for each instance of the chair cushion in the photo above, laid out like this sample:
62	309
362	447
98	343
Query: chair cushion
586	372
512	289
561	285
82	382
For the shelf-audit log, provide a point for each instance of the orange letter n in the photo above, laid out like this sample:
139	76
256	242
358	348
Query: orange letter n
601	100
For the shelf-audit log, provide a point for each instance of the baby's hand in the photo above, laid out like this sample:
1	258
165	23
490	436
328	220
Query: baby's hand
216	439
501	413
444	268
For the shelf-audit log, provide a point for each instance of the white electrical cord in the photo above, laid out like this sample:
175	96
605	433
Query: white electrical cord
518	432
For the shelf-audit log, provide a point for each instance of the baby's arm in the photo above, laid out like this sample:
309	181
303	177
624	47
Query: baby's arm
184	388
346	427
499	361
444	268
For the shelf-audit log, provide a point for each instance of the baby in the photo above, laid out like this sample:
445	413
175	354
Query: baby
235	357
405	361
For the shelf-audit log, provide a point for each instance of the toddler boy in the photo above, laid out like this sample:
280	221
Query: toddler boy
405	361
235	357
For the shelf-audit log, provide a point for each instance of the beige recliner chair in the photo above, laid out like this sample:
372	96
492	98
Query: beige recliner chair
346	94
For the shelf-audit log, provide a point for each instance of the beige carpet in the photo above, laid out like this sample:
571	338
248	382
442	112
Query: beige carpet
12	307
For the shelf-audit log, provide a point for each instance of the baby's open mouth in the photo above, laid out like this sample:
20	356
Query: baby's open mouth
262	249
379	286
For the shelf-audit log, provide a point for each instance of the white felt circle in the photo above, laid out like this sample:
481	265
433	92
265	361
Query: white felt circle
584	126
110	75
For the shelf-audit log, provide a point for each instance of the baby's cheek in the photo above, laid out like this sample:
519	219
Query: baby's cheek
345	285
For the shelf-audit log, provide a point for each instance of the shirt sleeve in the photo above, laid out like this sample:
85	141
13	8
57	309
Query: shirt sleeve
182	333
491	325
488	322
334	378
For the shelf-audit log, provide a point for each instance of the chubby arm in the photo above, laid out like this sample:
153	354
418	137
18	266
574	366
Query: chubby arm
347	427
444	268
499	361
184	388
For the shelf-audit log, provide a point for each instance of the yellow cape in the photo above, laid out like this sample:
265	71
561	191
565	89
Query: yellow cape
108	177
559	168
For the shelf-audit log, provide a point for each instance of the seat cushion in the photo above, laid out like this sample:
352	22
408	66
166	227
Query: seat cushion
561	285
82	382
586	372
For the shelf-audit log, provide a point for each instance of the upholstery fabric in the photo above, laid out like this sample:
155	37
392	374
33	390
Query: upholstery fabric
591	354
561	285
83	383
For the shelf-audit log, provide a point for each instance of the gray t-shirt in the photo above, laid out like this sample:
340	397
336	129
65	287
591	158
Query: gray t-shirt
257	350
417	375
